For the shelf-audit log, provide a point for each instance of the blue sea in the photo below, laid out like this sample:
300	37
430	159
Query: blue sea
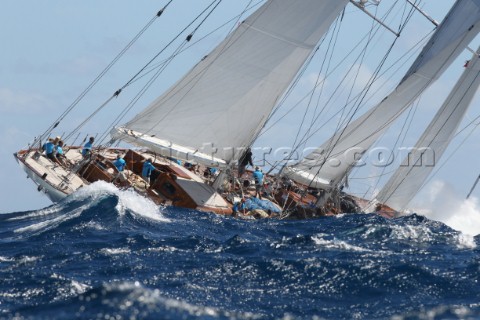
103	253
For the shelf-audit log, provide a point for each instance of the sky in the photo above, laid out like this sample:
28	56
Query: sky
52	50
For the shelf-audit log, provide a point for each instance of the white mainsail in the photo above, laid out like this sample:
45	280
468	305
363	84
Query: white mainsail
329	164
409	178
222	103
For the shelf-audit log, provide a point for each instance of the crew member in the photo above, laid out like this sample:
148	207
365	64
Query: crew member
147	169
245	159
120	163
87	148
49	148
61	158
258	176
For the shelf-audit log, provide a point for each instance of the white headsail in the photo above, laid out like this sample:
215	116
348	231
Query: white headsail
347	146
404	184
226	98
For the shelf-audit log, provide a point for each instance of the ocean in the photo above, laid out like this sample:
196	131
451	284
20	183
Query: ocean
103	253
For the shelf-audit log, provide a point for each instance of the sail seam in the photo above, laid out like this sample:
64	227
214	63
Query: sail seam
283	39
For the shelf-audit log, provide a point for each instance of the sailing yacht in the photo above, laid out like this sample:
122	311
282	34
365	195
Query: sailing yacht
203	123
245	74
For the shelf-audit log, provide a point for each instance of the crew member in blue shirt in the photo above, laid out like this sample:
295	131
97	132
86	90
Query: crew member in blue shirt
120	163
59	153
147	169
239	207
258	176
87	148
49	148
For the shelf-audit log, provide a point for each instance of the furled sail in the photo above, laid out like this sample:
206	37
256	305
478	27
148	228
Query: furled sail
404	184
222	103
329	164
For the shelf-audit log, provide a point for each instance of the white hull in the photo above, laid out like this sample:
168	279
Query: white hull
44	186
174	184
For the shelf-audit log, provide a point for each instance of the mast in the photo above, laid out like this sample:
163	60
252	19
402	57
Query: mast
222	103
345	148
409	178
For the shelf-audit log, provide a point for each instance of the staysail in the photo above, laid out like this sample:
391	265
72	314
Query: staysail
222	103
329	164
404	184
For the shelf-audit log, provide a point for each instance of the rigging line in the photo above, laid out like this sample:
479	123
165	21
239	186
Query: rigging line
403	132
290	89
89	117
333	70
392	119
237	17
314	119
333	39
369	36
168	44
370	82
308	94
205	18
362	58
448	158
159	71
102	73
363	53
135	99
430	143
468	125
322	86
356	97
303	141
360	101
149	83
408	53
195	79
410	116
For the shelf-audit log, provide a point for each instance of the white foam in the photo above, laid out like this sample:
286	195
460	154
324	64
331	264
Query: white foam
142	206
115	251
49	224
465	241
25	260
6	259
38	213
78	287
441	202
407	232
91	225
337	244
128	199
96	190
